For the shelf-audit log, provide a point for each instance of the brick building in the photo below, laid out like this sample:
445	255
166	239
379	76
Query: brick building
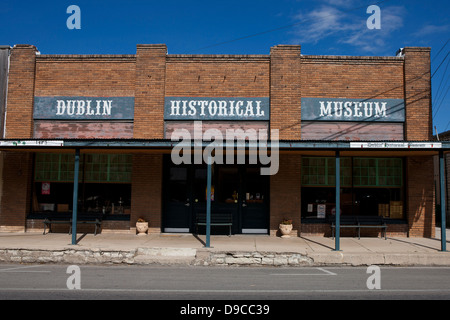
120	113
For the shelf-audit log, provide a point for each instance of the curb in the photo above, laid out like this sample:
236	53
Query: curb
194	257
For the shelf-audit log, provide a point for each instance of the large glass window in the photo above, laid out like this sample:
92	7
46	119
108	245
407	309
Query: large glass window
104	183
369	186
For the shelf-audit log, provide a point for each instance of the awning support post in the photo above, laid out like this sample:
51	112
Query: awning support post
208	206
338	202
75	196
443	201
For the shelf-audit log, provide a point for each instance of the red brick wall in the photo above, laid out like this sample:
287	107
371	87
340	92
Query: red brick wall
285	91
285	193
89	76
149	94
420	196
352	77
418	94
19	116
146	190
217	76
15	201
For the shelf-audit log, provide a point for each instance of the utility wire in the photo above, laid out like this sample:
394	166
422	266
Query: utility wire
440	64
439	104
442	100
438	92
448	123
440	50
280	28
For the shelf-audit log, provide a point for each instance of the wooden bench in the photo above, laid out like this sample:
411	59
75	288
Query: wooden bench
359	222
66	218
217	219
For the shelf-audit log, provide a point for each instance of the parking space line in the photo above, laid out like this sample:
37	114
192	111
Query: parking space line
324	273
21	269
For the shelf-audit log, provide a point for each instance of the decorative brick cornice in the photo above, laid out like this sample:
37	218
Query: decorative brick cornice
85	58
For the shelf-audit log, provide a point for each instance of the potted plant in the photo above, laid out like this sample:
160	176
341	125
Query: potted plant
286	228
141	226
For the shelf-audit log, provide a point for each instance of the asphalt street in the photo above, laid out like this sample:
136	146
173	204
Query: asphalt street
195	284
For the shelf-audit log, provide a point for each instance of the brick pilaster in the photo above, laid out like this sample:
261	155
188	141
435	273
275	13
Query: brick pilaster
146	190
285	95
15	200
150	91
418	93
285	193
420	197
19	112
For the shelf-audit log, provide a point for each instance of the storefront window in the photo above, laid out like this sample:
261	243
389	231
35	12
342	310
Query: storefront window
104	183
377	172
320	171
369	186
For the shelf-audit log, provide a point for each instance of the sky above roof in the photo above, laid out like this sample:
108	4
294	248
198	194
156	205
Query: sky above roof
322	27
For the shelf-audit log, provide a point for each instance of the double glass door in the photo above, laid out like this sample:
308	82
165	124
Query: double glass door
238	189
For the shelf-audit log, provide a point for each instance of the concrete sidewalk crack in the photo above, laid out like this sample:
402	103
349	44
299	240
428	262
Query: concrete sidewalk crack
361	245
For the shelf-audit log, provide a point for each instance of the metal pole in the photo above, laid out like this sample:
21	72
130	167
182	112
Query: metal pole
208	205
338	202
75	196
442	187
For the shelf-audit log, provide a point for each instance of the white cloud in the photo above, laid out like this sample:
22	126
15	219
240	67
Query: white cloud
373	40
340	3
321	23
347	26
431	30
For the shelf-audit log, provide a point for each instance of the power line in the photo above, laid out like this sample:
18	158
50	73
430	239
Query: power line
448	123
440	50
439	106
280	28
440	64
438	92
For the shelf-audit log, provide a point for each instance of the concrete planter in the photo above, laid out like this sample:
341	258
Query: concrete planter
285	230
141	228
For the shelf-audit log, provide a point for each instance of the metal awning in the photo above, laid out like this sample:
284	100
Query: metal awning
283	145
331	148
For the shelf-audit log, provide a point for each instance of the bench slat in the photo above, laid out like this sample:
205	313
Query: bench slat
66	218
217	219
360	222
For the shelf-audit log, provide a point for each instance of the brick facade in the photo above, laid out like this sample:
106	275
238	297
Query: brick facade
16	195
284	75
149	97
146	193
285	195
418	93
19	113
285	91
420	195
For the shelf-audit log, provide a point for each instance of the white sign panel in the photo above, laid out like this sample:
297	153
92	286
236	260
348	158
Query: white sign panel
33	143
396	145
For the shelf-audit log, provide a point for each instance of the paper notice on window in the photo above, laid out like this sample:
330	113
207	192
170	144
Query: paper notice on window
321	209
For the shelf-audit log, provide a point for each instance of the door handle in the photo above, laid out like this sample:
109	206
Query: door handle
244	205
187	204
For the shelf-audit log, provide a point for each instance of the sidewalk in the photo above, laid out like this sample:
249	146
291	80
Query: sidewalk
248	250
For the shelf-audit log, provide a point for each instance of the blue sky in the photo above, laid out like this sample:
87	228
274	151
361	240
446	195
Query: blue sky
324	27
